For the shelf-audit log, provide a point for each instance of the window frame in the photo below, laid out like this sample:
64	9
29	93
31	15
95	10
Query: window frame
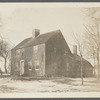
18	51
37	63
35	49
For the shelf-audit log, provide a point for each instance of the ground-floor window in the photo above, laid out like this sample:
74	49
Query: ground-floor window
37	64
30	65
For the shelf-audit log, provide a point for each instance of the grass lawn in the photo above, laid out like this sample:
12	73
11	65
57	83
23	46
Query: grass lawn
8	85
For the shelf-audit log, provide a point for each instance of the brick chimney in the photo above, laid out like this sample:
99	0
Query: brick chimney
75	49
35	33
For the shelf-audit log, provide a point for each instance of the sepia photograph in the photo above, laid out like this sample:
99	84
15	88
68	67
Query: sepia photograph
49	48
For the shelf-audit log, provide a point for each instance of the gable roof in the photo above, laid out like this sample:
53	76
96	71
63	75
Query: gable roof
78	58
20	45
42	38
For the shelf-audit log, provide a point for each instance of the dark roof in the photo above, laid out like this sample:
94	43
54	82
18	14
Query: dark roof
77	57
42	38
20	45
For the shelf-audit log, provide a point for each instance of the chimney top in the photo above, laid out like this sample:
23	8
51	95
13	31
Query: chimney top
35	33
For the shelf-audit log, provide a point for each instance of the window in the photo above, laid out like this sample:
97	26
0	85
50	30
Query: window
35	49
30	65
18	52
37	67
36	64
22	51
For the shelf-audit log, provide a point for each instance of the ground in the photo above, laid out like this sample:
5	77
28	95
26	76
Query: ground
62	84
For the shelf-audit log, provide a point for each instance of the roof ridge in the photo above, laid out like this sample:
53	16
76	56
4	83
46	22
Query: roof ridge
42	38
50	32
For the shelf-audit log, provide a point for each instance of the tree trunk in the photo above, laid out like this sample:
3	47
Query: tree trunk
98	50
98	66
5	66
82	70
94	65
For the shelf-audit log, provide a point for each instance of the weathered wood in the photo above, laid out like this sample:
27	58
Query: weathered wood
50	59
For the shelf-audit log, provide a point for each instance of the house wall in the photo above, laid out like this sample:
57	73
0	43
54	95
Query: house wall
24	54
88	69
75	69
27	56
30	58
39	59
55	56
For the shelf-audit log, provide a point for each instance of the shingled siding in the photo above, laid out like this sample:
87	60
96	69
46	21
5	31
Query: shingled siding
25	54
55	60
47	55
27	57
39	59
32	58
74	69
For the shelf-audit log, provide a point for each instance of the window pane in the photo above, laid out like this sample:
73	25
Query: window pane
30	65
36	64
18	52
37	67
35	49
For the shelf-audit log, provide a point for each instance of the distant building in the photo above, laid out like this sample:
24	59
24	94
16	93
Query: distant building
47	55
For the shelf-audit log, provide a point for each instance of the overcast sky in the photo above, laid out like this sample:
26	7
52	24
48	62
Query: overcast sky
18	21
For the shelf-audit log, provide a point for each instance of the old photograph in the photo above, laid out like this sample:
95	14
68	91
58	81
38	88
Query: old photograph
49	48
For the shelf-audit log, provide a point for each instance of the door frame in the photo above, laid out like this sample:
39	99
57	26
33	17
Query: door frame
21	67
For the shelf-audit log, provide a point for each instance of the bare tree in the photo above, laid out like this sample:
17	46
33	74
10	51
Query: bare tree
4	52
94	15
91	43
79	41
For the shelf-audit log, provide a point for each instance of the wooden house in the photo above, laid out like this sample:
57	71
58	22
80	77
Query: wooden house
46	55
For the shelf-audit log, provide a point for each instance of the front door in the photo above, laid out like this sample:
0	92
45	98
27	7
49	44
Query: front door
21	67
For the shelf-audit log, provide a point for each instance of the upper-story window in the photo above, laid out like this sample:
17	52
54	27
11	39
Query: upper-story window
55	49
18	52
35	49
22	51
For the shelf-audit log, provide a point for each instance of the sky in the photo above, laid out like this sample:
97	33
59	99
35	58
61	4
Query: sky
18	20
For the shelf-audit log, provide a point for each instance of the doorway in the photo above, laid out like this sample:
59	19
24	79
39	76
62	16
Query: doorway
22	67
